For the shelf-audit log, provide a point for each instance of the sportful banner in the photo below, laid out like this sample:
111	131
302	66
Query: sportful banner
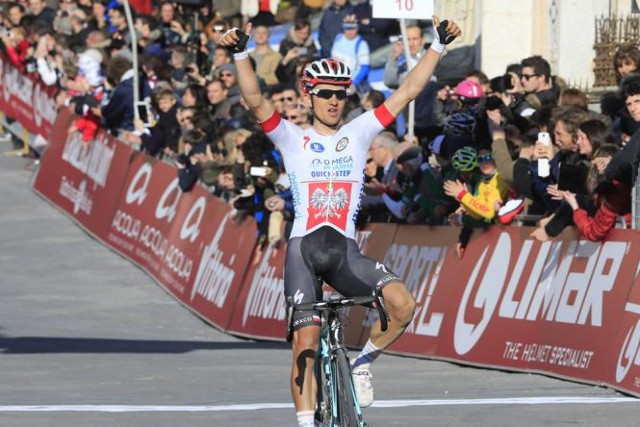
27	100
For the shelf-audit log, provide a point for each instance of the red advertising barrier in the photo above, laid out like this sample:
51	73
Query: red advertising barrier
568	308
183	240
144	213
85	183
224	255
520	304
27	100
131	202
623	368
260	309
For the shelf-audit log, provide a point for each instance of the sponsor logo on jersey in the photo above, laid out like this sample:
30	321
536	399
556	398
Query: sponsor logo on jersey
329	202
342	144
316	147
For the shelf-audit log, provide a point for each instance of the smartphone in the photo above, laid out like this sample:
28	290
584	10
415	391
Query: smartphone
258	171
144	113
543	168
303	50
544	138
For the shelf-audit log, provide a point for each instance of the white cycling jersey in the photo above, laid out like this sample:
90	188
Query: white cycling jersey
326	171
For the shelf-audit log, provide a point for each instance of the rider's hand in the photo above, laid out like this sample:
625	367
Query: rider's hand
398	48
444	33
235	40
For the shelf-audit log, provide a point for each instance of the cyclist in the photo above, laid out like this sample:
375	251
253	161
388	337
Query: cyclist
326	166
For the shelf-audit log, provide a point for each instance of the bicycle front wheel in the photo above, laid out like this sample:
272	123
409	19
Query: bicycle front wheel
349	412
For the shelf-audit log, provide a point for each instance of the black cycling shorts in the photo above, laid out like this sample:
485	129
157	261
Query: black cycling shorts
326	255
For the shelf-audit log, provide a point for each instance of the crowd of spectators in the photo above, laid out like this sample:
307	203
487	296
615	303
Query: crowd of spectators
485	149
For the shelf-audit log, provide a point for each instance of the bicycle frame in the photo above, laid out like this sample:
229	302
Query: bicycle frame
337	399
332	339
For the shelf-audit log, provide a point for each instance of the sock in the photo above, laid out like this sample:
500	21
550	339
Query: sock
368	354
305	418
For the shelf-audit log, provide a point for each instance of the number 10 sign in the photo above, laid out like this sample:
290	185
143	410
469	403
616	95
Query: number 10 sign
410	9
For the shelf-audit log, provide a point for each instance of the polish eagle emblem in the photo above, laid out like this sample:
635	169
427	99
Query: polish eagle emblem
329	203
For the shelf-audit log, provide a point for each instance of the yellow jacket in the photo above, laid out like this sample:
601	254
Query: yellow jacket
482	203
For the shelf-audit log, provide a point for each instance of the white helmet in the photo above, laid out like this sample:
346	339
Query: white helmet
329	71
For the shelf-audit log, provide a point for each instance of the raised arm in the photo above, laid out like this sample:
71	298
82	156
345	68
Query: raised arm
247	79
417	79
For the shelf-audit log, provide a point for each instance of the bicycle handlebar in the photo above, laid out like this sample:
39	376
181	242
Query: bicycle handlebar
337	303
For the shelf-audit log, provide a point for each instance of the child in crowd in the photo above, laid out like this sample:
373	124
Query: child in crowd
480	191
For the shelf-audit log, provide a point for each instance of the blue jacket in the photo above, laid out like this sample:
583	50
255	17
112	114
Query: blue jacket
331	26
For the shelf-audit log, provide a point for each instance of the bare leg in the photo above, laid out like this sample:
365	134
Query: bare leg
303	383
400	306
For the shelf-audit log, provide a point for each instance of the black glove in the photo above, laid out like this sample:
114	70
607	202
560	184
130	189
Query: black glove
241	44
443	36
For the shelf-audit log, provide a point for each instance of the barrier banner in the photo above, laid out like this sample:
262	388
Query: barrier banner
84	182
624	364
145	210
224	252
27	100
260	307
416	255
568	307
185	241
520	304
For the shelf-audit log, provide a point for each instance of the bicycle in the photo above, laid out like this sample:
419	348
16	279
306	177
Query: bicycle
337	400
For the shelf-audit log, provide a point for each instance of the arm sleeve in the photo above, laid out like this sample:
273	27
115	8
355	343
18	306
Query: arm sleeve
153	142
13	55
522	178
47	74
362	75
595	228
287	196
503	160
482	206
477	206
391	77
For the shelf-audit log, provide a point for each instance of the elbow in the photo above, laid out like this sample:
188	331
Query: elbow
254	101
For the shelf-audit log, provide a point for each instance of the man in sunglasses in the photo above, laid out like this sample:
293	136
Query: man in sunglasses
326	166
536	79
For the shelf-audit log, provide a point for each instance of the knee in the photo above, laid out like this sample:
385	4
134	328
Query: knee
306	339
401	305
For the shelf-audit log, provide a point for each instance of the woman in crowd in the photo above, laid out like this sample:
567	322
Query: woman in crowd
592	135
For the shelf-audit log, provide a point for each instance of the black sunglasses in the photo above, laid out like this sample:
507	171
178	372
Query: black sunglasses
528	76
340	94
